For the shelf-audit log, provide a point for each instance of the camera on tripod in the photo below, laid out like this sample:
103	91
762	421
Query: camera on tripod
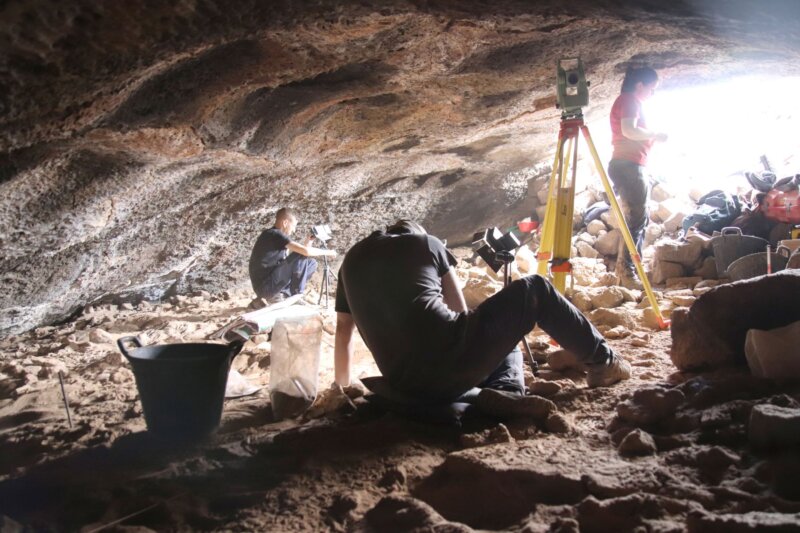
494	247
572	87
322	232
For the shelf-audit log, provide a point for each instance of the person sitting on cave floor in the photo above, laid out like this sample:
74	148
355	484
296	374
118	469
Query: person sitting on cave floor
399	289
280	267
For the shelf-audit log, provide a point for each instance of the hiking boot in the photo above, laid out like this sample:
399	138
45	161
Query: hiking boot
257	303
504	404
605	375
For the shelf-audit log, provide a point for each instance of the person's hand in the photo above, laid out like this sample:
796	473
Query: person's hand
661	137
331	253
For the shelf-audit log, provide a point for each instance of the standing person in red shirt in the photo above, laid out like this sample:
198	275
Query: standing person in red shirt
632	142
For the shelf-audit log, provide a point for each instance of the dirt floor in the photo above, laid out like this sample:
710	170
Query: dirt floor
673	456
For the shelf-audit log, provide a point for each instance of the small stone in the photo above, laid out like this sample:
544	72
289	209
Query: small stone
582	301
557	423
613	317
618	332
637	443
772	426
608	244
640	338
100	336
586	250
650	405
394	477
495	435
342	506
683	282
608	297
595	227
545	388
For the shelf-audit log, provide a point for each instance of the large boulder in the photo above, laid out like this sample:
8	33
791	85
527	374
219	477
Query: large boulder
712	332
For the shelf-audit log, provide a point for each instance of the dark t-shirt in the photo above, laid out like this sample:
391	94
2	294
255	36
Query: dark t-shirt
392	286
268	252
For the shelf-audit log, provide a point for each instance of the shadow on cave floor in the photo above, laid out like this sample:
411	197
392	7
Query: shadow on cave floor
167	486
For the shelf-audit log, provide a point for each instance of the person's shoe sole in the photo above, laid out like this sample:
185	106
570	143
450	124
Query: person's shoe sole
607	375
503	404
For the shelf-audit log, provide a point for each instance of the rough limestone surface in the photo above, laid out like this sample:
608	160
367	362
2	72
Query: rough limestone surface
712	332
462	488
755	521
773	426
650	405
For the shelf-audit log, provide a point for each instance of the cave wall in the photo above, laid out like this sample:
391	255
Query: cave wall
143	146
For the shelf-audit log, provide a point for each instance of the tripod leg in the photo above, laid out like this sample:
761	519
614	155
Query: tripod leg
563	224
626	234
545	252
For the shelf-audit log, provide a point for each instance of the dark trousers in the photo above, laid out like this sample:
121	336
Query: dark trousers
631	187
289	277
495	328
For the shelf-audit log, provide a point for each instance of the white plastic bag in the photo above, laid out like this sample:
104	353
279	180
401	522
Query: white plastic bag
294	365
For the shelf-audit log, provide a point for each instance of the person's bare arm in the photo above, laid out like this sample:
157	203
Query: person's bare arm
635	133
343	348
309	251
451	292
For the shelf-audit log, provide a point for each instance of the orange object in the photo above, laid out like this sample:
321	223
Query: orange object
527	226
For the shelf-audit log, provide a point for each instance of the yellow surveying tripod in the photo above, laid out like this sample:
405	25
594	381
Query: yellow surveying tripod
556	241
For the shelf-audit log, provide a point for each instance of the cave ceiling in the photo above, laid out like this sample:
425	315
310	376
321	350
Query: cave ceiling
145	144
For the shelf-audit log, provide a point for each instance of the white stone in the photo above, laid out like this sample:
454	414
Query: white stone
660	192
652	233
595	226
674	222
526	260
608	244
586	250
666	209
582	301
610	219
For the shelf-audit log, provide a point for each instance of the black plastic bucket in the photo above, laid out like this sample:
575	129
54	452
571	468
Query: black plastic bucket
754	265
181	386
731	245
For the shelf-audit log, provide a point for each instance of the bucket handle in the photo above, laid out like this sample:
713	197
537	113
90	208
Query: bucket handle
785	251
235	347
133	340
731	230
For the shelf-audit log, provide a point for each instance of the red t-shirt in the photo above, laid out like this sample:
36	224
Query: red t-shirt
628	106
